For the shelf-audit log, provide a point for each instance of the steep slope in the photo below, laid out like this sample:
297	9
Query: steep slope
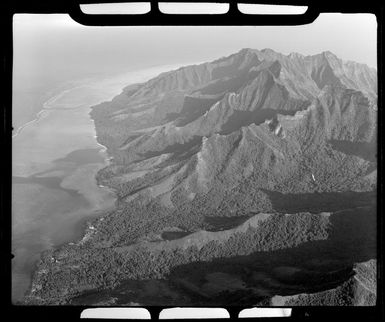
260	137
289	154
222	144
316	71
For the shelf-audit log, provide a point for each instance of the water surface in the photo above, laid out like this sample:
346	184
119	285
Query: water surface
55	158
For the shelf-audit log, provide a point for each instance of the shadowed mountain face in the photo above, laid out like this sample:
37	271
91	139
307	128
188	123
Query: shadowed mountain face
205	151
255	113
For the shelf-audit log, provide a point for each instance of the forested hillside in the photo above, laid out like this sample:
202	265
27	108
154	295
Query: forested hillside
240	158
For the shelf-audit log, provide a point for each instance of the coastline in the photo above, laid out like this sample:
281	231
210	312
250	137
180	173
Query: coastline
59	260
105	90
78	220
136	77
86	224
85	270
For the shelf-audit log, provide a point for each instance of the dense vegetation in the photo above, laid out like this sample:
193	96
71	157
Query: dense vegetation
87	267
360	290
226	139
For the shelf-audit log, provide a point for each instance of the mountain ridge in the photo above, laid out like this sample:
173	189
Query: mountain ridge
223	141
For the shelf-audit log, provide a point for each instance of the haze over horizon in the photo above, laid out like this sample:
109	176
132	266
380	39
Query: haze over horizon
249	179
53	49
55	43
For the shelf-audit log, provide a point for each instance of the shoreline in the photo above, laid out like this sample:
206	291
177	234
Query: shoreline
85	225
133	76
80	225
42	270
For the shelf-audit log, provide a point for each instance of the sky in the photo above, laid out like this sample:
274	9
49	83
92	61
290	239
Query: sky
54	46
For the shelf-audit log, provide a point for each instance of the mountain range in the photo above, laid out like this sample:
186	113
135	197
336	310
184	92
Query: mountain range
229	161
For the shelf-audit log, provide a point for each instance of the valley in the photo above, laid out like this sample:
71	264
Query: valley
239	181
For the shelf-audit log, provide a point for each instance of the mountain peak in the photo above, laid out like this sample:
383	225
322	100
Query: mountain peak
330	57
328	53
203	146
296	55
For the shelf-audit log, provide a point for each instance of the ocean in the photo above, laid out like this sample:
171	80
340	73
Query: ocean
55	159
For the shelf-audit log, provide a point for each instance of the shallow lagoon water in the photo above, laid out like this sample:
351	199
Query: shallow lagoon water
54	162
53	186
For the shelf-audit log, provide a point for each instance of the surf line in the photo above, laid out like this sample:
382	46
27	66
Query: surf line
47	105
36	119
52	100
